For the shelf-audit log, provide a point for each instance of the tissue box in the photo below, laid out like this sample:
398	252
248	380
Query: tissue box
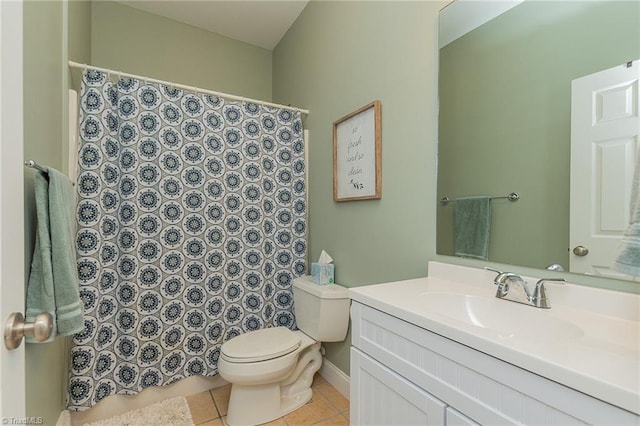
322	273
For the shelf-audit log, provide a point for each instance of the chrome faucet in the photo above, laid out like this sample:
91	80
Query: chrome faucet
512	287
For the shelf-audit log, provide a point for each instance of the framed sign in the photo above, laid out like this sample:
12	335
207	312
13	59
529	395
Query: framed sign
357	149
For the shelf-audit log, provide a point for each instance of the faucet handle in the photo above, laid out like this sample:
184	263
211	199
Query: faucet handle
542	280
503	277
500	273
539	296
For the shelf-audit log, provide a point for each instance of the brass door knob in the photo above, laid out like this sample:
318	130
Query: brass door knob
580	251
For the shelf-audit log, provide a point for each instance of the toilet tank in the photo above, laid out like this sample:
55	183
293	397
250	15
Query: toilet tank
322	311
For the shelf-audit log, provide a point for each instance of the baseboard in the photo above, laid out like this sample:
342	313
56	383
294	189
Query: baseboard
335	377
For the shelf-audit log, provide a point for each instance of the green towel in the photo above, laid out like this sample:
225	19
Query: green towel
472	223
53	282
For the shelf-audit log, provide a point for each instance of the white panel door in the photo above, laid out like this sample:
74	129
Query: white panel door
12	363
604	143
381	397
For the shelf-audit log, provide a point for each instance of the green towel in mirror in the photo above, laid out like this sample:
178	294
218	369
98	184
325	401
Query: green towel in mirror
472	223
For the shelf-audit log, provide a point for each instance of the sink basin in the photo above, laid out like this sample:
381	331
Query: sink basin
504	319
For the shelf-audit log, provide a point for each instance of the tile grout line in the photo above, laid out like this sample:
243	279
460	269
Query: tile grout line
332	404
215	404
213	400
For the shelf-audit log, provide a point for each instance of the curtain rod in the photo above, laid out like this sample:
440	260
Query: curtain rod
73	64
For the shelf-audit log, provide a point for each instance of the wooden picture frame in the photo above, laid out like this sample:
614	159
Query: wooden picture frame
357	154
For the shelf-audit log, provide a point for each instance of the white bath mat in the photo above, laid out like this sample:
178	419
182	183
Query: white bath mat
174	411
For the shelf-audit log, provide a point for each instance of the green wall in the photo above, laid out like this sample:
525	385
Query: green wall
136	42
337	57
79	31
505	118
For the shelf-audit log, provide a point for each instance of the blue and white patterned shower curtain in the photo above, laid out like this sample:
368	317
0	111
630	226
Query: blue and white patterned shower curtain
191	228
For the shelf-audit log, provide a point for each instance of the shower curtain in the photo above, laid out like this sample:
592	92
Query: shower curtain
191	219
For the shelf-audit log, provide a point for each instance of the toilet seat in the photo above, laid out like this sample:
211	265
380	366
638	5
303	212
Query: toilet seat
260	345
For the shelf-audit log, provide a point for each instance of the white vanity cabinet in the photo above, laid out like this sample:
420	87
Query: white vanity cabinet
456	418
402	374
381	397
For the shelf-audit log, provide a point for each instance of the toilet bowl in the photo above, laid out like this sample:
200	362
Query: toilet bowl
271	370
262	385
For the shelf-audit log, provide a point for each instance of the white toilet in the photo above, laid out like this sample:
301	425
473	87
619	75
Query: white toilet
271	370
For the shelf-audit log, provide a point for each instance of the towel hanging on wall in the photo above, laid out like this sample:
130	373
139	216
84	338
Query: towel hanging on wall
53	281
472	223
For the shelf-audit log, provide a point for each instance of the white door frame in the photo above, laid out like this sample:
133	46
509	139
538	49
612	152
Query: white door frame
12	363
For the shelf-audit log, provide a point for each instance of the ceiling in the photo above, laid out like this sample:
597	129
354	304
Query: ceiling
258	22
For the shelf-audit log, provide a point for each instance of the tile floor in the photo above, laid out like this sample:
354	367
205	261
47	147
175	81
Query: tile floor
327	407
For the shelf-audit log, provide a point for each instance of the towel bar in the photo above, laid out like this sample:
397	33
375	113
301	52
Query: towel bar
512	196
34	165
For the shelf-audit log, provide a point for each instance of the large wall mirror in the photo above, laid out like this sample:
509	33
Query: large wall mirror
505	125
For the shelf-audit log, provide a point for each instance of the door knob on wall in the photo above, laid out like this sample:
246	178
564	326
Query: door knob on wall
580	251
16	328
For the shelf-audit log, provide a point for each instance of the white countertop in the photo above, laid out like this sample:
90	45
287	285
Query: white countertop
601	359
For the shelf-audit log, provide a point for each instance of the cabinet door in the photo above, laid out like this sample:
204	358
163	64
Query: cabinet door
381	397
456	418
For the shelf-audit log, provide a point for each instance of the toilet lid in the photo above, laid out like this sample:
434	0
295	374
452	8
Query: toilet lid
261	345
